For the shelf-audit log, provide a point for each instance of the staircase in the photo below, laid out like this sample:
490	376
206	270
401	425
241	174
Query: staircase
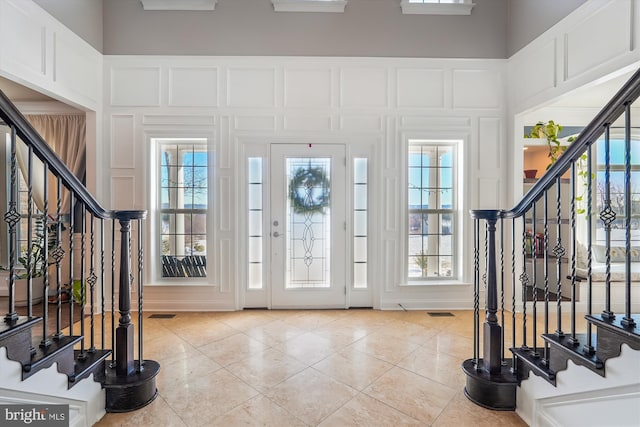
72	352
573	360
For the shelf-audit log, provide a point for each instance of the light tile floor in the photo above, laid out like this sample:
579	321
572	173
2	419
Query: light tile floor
311	368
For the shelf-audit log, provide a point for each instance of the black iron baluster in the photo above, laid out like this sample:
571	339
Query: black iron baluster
29	254
559	252
607	216
72	232
534	288
573	339
91	280
12	218
502	325
476	291
83	297
140	301
58	254
102	287
545	267
513	293
46	342
627	320
588	347
524	280
113	292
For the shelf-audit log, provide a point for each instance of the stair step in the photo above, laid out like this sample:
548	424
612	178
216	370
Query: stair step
91	362
528	361
564	348
16	337
59	350
612	333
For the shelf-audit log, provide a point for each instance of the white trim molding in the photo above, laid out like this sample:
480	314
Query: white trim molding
178	4
335	6
436	7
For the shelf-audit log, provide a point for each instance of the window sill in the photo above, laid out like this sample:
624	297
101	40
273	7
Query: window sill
179	282
179	4
334	6
429	283
410	8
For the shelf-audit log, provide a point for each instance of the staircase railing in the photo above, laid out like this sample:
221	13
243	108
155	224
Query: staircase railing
78	268
541	254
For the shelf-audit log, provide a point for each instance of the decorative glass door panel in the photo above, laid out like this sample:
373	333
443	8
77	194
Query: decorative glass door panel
308	225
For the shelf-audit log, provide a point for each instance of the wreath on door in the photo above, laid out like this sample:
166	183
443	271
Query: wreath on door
309	190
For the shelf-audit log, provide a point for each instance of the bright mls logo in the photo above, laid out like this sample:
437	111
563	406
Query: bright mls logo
34	415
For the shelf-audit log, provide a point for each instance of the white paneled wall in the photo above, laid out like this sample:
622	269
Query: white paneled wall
41	53
379	102
599	38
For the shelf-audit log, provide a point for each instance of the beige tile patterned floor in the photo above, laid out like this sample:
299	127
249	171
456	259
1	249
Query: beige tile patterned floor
307	368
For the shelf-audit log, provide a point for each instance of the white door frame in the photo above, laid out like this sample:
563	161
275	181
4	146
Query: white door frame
259	148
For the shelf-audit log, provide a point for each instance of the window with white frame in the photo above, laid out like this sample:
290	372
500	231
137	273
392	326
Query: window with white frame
617	191
183	204
432	210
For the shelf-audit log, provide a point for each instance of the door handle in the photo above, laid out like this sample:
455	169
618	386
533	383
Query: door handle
276	234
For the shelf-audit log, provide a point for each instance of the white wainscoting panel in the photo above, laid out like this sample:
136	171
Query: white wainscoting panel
178	120
540	66
135	86
224	201
307	88
193	87
360	122
420	88
123	192
77	67
488	193
123	142
364	87
255	123
489	143
251	87
425	122
477	89
28	56
227	263
593	42
391	204
307	122
391	265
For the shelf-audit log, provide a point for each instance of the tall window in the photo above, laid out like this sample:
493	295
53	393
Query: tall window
432	210
255	216
183	208
616	191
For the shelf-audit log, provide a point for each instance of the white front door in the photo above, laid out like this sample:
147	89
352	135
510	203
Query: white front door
308	226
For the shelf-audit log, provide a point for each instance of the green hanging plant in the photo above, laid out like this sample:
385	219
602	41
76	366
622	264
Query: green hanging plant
309	190
550	131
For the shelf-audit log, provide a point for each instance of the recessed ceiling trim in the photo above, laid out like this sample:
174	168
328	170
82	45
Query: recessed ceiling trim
178	4
335	6
451	7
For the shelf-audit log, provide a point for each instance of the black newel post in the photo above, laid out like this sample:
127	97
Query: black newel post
492	330
491	381
124	331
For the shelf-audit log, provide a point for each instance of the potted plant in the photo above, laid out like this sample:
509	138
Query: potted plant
550	131
35	266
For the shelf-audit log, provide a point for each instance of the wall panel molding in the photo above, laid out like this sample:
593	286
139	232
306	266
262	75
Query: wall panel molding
123	141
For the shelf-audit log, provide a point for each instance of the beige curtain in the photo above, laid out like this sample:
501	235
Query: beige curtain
66	135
